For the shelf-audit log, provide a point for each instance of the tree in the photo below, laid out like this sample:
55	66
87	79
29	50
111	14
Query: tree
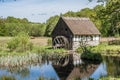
69	14
110	17
50	24
11	26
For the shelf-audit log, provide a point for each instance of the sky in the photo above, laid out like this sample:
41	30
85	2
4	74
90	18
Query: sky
41	10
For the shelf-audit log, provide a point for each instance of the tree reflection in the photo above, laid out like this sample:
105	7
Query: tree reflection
7	78
113	64
22	71
44	78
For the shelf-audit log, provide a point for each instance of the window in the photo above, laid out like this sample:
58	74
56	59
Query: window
91	38
66	29
83	38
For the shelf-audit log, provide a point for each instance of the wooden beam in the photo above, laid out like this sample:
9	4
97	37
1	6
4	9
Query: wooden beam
55	41
58	40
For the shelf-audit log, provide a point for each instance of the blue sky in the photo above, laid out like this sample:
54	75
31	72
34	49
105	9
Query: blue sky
41	10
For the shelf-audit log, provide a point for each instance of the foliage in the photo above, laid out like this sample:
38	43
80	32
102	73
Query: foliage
79	50
50	24
88	54
105	49
106	17
11	26
84	48
109	16
114	42
109	78
20	43
7	78
92	56
47	49
49	42
41	78
13	44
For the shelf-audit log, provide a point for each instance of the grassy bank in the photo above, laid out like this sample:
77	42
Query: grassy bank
40	45
16	57
109	78
106	49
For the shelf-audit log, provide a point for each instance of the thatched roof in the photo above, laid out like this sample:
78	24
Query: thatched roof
81	26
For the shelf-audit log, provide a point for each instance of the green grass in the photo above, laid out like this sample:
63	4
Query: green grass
16	57
109	78
39	49
48	50
105	49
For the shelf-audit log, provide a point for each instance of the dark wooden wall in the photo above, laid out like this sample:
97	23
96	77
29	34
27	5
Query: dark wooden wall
62	29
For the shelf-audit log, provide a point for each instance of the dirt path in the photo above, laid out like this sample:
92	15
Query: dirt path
106	39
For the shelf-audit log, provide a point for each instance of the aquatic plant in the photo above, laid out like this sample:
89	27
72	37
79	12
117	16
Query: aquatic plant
20	60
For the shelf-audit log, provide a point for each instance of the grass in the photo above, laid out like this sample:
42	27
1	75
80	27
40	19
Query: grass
109	78
105	49
40	46
39	50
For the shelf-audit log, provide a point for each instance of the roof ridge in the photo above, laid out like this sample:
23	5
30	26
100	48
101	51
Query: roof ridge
76	18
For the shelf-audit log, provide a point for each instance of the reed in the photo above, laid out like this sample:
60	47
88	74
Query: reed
15	61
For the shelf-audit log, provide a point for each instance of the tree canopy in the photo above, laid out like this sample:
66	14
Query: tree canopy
11	26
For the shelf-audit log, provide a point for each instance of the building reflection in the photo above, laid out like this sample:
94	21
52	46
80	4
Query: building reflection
71	72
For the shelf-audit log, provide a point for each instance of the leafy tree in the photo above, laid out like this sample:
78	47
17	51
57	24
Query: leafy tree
110	17
11	26
70	13
50	24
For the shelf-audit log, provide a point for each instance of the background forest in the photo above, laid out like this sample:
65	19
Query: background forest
105	16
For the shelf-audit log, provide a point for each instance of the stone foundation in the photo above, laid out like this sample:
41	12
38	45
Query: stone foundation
76	44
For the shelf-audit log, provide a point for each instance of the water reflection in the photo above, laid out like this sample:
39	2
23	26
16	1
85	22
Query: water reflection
82	71
113	66
4	77
49	71
100	71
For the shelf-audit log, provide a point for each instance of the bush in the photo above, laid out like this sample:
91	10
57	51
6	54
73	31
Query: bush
79	50
49	42
114	42
92	56
20	43
13	44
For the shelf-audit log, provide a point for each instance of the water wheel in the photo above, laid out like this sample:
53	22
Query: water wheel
61	42
63	61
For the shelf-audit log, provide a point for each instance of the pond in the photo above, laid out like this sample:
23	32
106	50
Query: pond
47	70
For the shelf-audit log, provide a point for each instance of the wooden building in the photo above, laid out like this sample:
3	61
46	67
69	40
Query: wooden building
70	31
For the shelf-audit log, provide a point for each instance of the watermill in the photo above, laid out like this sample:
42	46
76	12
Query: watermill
61	42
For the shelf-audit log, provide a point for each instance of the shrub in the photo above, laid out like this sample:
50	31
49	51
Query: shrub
49	42
92	56
79	50
20	43
13	44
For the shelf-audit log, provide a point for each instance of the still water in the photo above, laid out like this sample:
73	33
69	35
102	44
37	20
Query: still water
48	71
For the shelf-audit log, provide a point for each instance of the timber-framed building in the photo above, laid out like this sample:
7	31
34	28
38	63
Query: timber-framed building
69	31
